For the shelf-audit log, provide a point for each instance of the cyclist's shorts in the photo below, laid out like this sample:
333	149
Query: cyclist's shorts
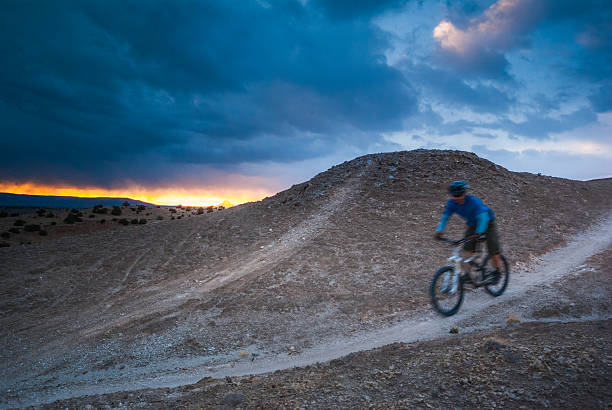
492	240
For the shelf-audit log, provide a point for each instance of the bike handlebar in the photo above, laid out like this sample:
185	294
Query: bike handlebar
460	241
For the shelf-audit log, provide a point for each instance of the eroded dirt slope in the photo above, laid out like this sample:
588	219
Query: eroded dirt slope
346	251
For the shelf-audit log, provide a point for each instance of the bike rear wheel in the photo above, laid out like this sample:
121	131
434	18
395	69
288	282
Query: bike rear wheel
497	288
443	301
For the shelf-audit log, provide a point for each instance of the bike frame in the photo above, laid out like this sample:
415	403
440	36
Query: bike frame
457	260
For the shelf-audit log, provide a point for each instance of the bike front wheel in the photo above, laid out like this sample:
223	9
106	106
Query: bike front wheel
446	297
499	286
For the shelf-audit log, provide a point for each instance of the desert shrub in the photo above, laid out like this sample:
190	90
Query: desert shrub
92	216
172	211
123	221
126	203
14	230
53	223
72	218
160	218
116	211
19	222
4	244
3	214
5	235
75	211
50	215
102	221
135	221
142	221
99	209
220	207
41	212
173	218
114	219
32	228
42	232
133	209
200	211
14	214
141	207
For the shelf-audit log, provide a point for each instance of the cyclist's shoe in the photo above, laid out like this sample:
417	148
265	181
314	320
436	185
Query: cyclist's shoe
496	276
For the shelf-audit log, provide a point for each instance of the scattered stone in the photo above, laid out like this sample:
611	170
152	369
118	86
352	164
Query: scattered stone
494	343
233	399
513	320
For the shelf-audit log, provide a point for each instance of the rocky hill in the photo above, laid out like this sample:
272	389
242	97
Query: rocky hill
349	250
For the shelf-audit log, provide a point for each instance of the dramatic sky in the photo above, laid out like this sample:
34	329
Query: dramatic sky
201	101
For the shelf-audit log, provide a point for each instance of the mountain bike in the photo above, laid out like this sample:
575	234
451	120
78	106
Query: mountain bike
446	289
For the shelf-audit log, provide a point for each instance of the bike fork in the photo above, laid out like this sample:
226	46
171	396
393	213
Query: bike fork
451	278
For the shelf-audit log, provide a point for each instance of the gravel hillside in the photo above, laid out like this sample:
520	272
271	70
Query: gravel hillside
349	250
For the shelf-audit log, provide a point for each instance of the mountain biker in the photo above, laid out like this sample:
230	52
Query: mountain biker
479	219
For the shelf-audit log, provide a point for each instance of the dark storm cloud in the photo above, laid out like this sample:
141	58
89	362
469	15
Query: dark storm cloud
601	100
91	88
451	89
348	9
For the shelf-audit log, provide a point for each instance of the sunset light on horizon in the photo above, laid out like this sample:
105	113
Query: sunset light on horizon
187	196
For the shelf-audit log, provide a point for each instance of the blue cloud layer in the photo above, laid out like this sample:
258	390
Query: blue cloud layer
89	85
100	92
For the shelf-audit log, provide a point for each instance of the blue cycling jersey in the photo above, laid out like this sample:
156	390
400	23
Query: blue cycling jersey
472	210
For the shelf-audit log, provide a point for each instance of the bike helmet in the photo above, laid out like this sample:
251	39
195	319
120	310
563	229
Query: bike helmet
458	188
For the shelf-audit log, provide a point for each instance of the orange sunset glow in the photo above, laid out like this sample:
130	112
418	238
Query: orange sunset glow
188	196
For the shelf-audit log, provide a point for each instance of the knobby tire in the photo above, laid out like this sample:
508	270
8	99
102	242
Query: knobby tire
437	296
502	284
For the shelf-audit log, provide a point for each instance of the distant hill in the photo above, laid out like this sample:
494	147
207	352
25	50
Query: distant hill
47	201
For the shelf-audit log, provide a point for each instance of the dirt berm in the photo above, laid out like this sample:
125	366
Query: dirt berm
347	252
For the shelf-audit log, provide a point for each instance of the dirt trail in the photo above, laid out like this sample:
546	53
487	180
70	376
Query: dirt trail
529	284
163	298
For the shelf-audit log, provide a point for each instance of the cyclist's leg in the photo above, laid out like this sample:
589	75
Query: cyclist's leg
493	245
469	249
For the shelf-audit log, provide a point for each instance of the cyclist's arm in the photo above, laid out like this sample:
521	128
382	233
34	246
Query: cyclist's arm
442	223
448	211
482	222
